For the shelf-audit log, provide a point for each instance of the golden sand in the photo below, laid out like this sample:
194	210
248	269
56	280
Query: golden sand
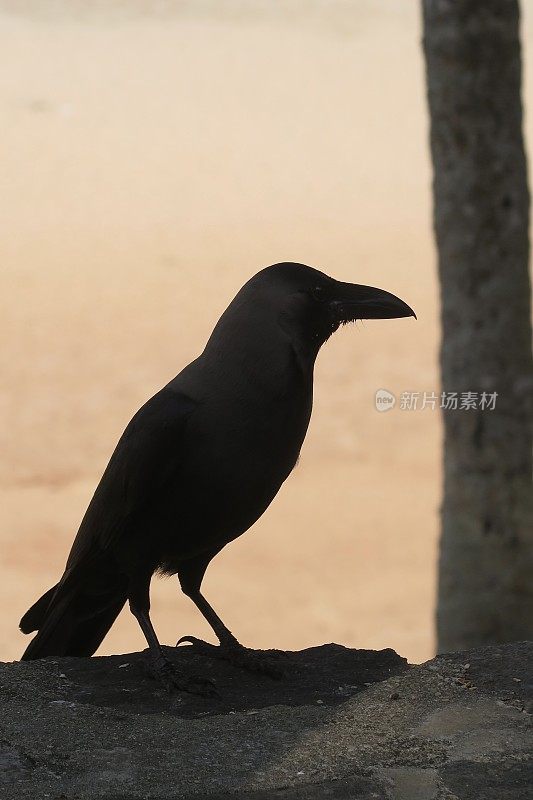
154	156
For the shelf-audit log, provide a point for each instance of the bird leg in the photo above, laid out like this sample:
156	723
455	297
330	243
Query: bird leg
162	668
230	649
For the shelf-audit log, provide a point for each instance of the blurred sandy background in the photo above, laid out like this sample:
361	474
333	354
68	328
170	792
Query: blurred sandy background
154	156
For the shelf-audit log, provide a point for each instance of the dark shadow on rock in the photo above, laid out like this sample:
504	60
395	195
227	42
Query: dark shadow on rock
326	675
353	788
510	678
489	781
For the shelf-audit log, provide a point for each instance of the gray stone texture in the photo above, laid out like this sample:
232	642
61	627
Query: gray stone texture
342	724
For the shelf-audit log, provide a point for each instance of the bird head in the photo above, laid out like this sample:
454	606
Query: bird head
311	306
304	305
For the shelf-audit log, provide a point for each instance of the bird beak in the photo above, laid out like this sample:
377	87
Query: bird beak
353	301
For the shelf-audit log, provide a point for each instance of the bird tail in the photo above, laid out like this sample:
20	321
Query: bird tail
73	617
34	616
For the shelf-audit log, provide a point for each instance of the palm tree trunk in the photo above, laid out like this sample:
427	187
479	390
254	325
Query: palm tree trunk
481	219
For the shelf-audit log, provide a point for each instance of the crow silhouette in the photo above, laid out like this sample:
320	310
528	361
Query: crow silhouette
199	463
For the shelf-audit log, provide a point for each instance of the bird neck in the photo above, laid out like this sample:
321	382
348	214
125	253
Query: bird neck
257	355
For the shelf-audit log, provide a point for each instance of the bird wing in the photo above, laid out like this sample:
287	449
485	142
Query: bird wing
146	457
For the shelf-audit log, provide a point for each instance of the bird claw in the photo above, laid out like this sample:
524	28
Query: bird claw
239	656
175	681
206	647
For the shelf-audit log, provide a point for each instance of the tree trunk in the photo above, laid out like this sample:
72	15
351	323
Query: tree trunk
481	217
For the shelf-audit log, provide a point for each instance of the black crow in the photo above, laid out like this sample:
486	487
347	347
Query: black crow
200	462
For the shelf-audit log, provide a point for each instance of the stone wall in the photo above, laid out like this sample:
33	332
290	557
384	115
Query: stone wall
341	724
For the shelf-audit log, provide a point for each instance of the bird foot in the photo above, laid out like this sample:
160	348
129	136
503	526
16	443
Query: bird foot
265	662
175	681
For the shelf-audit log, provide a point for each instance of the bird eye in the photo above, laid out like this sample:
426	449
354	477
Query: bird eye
318	292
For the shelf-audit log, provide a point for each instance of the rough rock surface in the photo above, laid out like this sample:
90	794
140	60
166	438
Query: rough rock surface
341	724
